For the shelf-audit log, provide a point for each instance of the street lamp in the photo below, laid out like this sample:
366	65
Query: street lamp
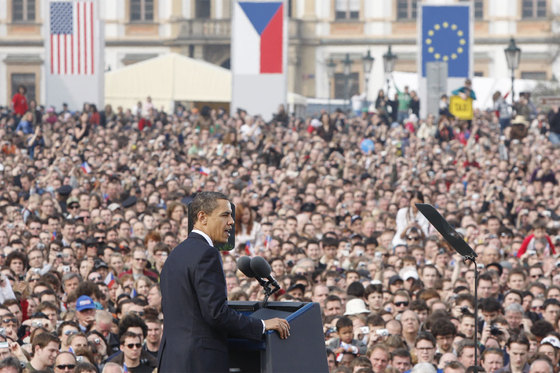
347	63
367	61
331	66
389	60
513	55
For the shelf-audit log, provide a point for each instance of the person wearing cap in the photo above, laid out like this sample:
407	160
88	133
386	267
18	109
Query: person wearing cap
197	318
73	207
550	346
356	306
296	290
395	283
85	312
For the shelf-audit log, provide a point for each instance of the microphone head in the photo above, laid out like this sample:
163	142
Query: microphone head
260	267
244	265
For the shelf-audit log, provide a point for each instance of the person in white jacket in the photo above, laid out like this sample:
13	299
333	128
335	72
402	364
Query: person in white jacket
408	216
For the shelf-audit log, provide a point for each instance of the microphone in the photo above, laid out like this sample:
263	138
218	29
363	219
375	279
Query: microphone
244	265
261	268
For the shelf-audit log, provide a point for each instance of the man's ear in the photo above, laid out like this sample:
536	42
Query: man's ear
201	217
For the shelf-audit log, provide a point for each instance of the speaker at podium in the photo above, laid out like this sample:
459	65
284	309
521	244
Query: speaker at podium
303	351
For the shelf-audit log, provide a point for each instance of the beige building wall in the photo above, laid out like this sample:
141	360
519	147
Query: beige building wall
316	35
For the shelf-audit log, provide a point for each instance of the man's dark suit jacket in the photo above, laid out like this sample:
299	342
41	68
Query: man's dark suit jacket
197	319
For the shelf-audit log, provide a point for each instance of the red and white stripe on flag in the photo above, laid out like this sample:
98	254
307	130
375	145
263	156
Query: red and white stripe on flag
72	38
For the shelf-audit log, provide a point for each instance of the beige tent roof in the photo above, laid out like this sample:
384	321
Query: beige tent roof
167	78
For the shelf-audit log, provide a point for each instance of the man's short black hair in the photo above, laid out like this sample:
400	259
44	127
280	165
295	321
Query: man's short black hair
443	327
550	301
126	335
401	352
519	338
356	289
11	362
425	336
206	202
343	322
490	305
541	328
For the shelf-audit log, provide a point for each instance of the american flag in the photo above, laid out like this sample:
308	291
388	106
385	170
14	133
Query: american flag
72	37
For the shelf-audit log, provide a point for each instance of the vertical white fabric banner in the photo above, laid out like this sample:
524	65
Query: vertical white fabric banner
259	46
74	50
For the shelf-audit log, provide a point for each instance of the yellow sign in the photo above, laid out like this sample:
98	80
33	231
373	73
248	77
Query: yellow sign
461	109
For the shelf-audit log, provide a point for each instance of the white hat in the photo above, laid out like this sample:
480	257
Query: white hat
355	306
113	206
551	340
408	272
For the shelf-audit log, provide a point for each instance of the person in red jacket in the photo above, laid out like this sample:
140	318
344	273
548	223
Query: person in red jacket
19	101
538	234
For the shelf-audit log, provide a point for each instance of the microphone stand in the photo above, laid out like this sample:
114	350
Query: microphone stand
269	289
472	259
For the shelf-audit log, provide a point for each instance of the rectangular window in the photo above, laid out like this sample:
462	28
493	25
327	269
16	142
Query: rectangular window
478	8
23	10
340	85
406	9
533	9
141	10
202	8
534	75
27	80
347	9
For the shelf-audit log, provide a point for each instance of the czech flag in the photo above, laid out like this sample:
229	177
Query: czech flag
260	37
249	249
86	168
205	171
110	280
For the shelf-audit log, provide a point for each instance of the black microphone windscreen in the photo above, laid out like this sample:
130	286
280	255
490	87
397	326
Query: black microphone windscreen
260	267
244	265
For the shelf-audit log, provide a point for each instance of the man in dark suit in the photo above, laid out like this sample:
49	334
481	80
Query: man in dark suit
197	319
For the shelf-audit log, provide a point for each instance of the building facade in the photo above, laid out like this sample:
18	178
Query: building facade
319	30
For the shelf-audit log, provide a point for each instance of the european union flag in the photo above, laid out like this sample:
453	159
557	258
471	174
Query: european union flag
445	38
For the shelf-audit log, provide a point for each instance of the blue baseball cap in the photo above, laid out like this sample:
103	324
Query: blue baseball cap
84	303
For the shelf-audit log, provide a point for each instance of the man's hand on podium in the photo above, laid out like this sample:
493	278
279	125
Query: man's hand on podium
280	325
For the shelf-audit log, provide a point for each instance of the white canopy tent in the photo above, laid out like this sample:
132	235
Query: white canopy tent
168	79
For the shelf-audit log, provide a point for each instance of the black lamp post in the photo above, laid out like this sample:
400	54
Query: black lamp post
331	66
367	61
389	60
347	62
513	55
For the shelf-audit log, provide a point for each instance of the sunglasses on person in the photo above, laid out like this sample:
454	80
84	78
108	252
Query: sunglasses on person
10	320
70	332
401	304
66	366
413	238
134	345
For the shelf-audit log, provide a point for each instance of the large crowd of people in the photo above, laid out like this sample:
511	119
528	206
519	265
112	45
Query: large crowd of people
92	203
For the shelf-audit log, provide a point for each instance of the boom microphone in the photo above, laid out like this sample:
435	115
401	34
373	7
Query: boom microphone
244	265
